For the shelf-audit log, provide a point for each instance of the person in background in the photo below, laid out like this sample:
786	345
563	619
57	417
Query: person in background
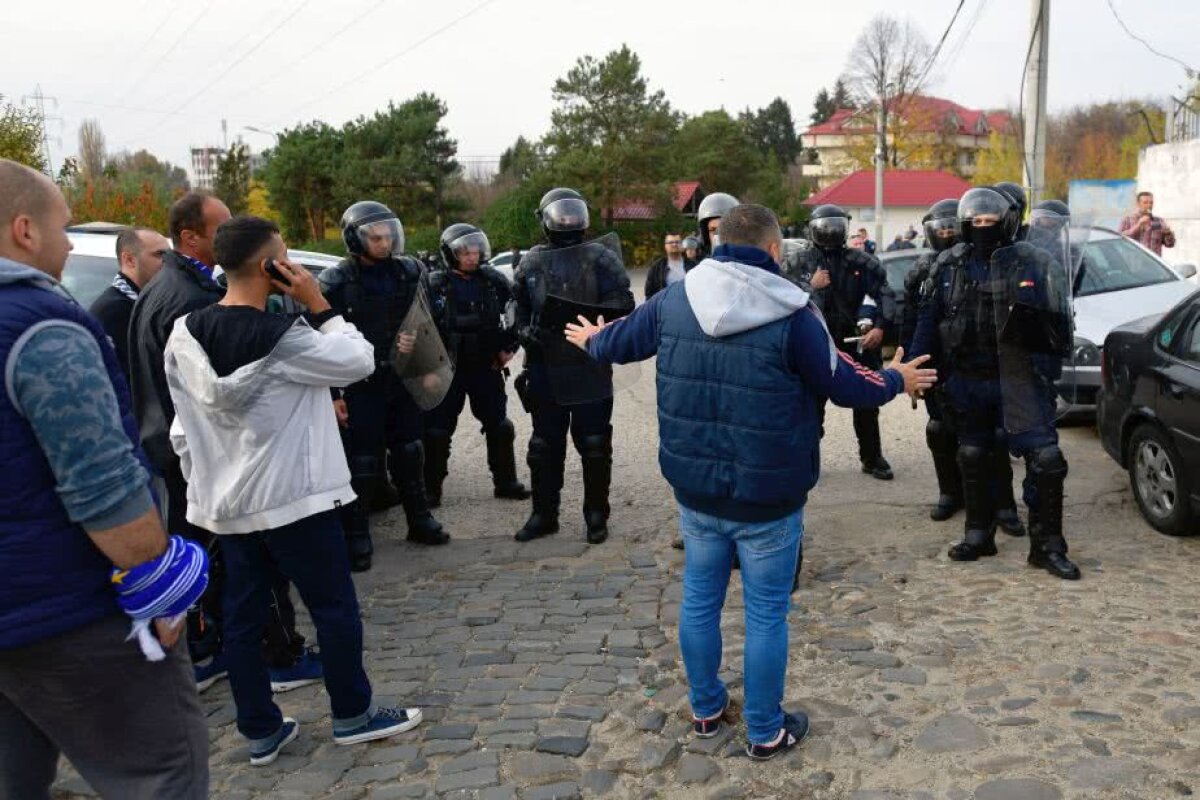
668	268
1142	226
140	254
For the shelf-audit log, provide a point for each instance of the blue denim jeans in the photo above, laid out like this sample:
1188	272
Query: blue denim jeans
312	553
768	552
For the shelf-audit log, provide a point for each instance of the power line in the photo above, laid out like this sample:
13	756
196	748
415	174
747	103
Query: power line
154	33
1186	67
933	56
390	59
1033	36
952	56
183	32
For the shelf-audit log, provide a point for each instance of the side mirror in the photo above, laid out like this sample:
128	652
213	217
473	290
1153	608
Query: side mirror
1185	270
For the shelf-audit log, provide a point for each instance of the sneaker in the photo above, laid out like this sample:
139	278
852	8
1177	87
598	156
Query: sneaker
386	722
209	671
306	671
795	728
263	754
708	727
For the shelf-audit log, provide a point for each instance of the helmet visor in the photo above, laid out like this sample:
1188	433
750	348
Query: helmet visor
1047	218
982	208
829	231
471	249
941	233
568	214
382	239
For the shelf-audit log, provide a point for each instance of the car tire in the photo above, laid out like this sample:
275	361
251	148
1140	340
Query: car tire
1159	485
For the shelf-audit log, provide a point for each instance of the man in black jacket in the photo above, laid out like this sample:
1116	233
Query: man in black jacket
669	267
140	254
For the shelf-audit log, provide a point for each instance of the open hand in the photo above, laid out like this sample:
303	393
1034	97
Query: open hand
578	335
916	380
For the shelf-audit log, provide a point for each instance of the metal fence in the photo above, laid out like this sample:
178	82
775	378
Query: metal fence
1183	119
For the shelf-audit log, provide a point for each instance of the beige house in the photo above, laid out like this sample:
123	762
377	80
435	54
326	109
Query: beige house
926	133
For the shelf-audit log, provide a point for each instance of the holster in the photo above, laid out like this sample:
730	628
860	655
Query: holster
527	398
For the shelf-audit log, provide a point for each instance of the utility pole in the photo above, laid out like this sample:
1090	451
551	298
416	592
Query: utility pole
1034	123
39	104
880	162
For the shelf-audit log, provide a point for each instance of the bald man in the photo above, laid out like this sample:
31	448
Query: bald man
75	503
140	254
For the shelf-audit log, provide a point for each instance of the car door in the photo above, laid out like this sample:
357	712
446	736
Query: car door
1178	401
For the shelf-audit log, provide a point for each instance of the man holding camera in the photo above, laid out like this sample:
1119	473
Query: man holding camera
260	451
1150	231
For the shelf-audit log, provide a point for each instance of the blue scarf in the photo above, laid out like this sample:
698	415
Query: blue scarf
166	586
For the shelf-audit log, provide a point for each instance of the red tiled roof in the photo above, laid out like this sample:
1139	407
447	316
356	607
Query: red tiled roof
682	192
900	188
931	112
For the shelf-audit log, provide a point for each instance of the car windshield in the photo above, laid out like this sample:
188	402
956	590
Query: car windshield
1115	264
85	277
897	270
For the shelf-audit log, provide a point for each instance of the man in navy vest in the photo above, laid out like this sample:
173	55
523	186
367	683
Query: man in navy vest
744	366
75	500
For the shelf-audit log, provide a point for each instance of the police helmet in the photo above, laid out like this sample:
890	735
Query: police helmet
827	227
462	238
1016	194
985	219
373	230
564	216
1054	207
690	243
712	207
941	225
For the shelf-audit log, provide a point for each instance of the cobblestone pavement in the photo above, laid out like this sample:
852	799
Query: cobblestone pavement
551	669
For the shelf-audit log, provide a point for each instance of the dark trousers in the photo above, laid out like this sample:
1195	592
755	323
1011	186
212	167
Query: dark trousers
134	729
552	421
381	413
484	387
977	407
866	420
312	554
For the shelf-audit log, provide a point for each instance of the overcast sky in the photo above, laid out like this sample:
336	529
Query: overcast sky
161	74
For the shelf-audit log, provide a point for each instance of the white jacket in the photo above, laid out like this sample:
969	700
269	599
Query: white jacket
260	447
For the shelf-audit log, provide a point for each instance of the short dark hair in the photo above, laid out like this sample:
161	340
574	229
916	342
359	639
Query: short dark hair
749	224
1140	195
187	214
130	240
240	238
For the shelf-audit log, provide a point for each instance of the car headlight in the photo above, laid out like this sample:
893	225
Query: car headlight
1085	353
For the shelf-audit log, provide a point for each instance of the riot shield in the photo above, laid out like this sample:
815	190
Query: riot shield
419	355
1032	284
586	280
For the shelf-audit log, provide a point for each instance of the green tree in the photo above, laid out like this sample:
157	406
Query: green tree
232	181
773	132
519	160
716	150
610	134
301	179
510	220
142	166
21	135
823	107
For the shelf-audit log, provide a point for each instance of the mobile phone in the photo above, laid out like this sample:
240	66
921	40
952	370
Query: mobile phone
275	273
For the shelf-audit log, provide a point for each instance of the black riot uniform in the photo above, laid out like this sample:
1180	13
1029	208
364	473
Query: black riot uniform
959	318
374	288
941	233
857	299
564	260
470	301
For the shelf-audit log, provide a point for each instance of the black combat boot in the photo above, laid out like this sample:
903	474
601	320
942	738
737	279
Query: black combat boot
595	452
979	537
503	462
943	445
1007	518
870	446
1047	545
546	475
437	454
408	472
364	475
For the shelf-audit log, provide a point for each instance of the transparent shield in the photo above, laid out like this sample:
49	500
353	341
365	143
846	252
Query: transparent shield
419	356
587	280
1032	294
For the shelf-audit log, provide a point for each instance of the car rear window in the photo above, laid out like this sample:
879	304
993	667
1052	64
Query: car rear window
897	270
85	277
1115	264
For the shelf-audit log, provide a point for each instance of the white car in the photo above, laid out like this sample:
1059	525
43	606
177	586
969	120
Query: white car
503	262
1122	281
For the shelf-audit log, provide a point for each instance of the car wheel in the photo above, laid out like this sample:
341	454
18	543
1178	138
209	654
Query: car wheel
1158	482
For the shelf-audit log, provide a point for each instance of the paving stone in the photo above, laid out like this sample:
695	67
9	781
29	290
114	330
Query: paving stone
589	713
443	747
348	793
656	755
952	733
532	698
1095	716
845	644
398	792
471	779
1017	789
909	675
497	793
1015	722
514	741
540	768
696	769
573	746
870	659
375	774
652	721
458	730
1181	716
469	762
1017	703
555	791
599	781
1108	773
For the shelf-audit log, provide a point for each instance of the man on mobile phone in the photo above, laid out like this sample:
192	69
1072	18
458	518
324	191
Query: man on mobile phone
1150	231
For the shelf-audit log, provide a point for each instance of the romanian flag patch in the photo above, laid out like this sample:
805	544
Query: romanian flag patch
1027	284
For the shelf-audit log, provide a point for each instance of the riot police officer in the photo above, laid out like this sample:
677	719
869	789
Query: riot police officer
1000	377
1016	196
941	233
708	218
374	288
566	261
470	300
851	288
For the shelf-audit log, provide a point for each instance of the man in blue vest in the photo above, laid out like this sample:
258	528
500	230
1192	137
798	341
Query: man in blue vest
75	500
744	366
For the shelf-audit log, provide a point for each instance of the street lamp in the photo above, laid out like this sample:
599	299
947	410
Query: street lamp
261	130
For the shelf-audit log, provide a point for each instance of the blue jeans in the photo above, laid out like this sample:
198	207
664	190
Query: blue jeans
312	553
768	552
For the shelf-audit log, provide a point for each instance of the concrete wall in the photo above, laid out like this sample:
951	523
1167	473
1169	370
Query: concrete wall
1172	172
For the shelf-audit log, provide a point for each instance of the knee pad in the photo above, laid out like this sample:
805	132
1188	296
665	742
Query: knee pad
1047	461
542	450
503	430
971	456
596	445
938	434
